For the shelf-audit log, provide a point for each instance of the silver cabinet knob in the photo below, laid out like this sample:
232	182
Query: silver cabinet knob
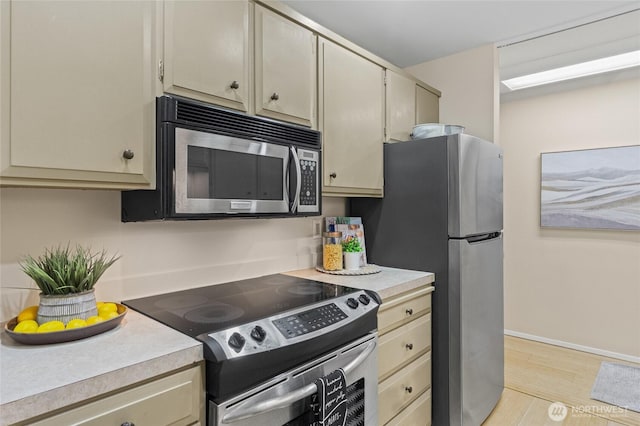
409	346
333	175
234	84
408	389
275	96
128	154
409	311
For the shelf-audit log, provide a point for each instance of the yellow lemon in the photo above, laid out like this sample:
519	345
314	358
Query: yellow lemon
98	304
107	307
29	313
50	326
94	319
26	326
108	314
76	323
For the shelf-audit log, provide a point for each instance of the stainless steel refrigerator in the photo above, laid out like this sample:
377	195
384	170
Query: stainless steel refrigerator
442	212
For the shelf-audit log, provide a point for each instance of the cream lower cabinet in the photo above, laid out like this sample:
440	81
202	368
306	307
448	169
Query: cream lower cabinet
418	413
352	122
404	359
174	400
78	88
206	51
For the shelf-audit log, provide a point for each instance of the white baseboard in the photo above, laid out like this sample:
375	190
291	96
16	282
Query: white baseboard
568	345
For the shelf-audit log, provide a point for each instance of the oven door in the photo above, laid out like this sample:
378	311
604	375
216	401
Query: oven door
287	398
222	174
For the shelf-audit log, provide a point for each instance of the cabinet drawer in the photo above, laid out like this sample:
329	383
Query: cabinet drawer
174	400
416	414
403	344
399	390
403	309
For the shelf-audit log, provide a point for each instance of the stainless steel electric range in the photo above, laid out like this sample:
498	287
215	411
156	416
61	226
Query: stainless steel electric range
267	339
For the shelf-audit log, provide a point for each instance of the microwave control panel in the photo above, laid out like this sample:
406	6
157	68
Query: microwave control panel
309	188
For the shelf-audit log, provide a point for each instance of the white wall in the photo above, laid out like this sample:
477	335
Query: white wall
157	257
470	89
576	286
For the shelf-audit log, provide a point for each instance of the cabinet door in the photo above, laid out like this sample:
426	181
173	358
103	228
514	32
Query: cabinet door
402	309
175	400
352	122
285	69
401	106
402	345
206	51
416	414
82	85
399	390
427	106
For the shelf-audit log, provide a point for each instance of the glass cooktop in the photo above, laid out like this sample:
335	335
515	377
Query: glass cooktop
218	307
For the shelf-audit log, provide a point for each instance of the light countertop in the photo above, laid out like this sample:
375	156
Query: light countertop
388	283
41	378
35	380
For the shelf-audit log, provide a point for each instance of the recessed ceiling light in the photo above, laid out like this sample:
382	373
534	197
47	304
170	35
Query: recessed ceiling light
598	66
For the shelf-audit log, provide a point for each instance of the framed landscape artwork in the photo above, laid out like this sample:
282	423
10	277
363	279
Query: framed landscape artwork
592	188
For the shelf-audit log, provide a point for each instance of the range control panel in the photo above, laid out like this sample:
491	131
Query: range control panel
308	321
295	326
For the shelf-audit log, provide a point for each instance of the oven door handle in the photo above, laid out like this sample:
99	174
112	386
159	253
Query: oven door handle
250	409
296	198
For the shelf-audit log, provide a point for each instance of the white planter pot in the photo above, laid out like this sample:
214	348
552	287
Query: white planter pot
352	260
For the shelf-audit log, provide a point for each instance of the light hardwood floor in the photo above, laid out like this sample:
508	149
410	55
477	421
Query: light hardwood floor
537	374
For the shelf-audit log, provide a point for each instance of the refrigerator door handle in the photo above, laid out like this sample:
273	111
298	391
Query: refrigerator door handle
481	238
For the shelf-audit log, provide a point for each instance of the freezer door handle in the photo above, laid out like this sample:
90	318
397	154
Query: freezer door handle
484	237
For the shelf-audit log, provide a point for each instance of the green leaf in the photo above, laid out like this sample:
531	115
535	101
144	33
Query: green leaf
64	271
351	245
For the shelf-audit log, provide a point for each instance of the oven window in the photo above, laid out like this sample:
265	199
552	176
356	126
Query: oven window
221	174
355	408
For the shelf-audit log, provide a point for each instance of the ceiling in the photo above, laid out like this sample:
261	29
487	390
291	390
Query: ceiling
407	33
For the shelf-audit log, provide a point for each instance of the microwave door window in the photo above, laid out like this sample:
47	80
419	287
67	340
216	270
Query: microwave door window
229	175
198	168
218	174
234	175
271	178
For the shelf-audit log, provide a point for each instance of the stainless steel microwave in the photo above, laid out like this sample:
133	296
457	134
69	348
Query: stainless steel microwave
212	163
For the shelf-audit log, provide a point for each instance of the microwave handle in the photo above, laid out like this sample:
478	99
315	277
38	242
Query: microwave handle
286	400
296	199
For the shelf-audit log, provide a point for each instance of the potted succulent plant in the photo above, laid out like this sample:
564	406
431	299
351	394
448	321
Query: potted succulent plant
352	253
66	279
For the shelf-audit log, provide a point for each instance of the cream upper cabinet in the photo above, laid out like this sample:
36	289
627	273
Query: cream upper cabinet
352	122
427	106
285	69
408	104
206	51
401	106
78	93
